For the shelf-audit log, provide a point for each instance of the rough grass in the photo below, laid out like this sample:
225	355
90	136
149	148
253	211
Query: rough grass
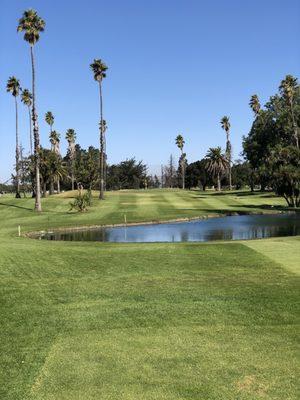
146	321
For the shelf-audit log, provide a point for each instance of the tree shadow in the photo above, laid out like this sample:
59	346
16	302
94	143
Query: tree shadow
267	207
15	206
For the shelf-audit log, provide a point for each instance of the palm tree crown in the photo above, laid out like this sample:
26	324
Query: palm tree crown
13	86
32	25
99	69
216	163
179	142
54	137
71	136
225	123
255	104
49	118
288	87
26	97
104	125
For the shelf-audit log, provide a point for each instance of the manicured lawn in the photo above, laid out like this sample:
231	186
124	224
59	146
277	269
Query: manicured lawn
146	321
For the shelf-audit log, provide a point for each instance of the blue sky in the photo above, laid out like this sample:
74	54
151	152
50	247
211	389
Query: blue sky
174	67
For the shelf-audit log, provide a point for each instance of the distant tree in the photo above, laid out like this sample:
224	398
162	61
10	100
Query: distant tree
55	141
216	164
242	175
99	69
288	88
226	126
49	118
255	104
170	178
285	166
13	87
128	174
197	175
180	144
273	126
26	98
33	25
71	137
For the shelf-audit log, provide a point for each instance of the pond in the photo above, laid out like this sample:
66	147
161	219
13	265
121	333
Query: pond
204	230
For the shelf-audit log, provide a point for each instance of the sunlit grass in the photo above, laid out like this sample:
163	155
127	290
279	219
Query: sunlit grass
83	321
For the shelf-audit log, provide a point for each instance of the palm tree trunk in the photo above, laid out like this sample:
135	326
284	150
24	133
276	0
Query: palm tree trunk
58	185
294	127
51	187
228	151
30	130
17	153
38	206
183	174
101	195
218	182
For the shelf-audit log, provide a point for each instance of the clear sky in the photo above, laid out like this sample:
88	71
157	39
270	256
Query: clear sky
174	67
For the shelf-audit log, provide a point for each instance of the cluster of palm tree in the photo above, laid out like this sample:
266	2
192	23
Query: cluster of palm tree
218	164
31	24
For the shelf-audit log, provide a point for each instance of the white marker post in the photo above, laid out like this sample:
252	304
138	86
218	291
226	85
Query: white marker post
125	219
19	230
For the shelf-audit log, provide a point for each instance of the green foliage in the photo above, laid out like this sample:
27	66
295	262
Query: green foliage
274	132
99	69
32	25
82	201
285	165
13	86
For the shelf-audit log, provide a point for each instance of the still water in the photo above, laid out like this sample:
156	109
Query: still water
225	228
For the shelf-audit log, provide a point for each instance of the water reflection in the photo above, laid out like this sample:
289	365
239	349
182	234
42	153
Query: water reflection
226	228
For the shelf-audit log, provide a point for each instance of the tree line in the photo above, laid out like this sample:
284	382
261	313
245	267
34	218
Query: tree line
270	157
32	25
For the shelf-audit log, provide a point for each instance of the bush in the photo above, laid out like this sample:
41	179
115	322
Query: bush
82	201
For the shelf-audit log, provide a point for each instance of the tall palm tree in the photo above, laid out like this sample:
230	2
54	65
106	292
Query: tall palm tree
49	118
55	141
32	25
288	89
104	129
255	104
26	98
71	137
216	164
13	87
226	126
99	69
180	144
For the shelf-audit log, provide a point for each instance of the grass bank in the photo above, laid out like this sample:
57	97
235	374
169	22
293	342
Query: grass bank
146	321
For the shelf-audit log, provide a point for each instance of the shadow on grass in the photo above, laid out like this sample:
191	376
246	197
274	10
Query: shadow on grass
15	206
264	207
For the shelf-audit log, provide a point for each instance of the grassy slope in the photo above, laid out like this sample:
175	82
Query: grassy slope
145	321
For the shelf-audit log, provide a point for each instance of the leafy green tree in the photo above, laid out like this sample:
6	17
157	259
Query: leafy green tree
242	175
26	98
226	126
128	174
32	25
197	175
180	144
285	166
13	87
288	89
216	164
71	137
273	126
99	69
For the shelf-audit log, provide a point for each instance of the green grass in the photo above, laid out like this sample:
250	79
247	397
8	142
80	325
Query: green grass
146	321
